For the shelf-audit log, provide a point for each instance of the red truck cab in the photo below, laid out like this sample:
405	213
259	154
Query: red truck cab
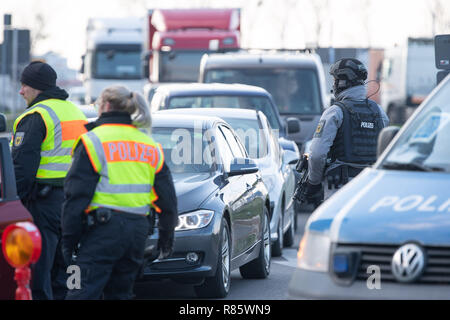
178	38
11	211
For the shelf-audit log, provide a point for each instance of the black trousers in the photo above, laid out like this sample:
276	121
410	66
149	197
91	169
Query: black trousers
109	258
49	272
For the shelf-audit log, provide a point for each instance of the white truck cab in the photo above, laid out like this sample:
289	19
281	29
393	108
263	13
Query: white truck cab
113	55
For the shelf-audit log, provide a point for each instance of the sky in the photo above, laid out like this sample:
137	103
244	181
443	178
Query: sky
264	23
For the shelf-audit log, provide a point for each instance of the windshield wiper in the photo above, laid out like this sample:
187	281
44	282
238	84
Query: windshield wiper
410	166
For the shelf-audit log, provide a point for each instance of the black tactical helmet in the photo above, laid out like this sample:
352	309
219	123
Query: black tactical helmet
347	73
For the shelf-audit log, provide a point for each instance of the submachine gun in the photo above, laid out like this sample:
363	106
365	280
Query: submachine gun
301	171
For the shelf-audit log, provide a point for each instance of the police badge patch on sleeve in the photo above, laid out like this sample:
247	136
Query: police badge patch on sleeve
18	138
319	129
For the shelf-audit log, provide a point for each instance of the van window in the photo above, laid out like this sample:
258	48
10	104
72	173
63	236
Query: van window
425	144
294	90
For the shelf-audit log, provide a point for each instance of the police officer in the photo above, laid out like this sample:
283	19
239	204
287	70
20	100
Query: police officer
43	137
346	137
117	176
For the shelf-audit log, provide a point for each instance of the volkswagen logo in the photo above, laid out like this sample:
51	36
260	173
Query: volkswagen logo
408	263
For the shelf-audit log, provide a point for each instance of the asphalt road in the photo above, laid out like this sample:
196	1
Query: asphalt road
275	287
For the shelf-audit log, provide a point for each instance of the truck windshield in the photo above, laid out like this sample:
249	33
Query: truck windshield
118	63
262	104
295	91
180	66
425	144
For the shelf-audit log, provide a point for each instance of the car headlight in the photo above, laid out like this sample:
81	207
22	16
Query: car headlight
194	220
314	252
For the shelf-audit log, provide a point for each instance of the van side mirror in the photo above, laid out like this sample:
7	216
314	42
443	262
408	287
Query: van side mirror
146	63
385	137
293	125
2	122
82	63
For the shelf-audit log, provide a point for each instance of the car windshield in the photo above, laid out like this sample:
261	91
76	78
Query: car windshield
294	90
116	63
251	134
425	144
185	150
258	103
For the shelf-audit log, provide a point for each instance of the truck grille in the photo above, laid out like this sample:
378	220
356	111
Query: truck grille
437	270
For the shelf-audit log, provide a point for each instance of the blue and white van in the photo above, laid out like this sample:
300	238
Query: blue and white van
386	234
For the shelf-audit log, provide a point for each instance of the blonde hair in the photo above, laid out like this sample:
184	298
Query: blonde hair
122	99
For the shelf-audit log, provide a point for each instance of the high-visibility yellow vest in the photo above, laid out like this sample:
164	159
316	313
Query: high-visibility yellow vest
127	161
64	123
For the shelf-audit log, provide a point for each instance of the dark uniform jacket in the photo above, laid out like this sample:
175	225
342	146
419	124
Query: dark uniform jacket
27	155
81	182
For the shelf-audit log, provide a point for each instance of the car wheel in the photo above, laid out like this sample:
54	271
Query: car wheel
277	246
260	267
218	285
288	239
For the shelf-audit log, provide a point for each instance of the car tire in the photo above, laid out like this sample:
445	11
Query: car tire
218	285
277	246
260	267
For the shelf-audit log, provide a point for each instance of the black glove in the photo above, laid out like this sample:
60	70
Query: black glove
165	243
314	193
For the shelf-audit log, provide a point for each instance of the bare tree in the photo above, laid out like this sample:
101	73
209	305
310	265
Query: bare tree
134	5
366	13
289	7
440	21
38	34
321	9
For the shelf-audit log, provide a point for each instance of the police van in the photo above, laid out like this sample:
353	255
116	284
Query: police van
386	234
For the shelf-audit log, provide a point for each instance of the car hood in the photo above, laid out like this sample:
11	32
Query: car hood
390	207
193	189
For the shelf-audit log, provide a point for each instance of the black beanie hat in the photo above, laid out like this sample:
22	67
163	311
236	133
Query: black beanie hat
39	75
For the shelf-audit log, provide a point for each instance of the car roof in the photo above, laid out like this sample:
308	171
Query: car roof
261	60
167	119
217	113
194	89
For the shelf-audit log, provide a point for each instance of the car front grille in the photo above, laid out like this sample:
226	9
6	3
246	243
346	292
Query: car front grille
437	270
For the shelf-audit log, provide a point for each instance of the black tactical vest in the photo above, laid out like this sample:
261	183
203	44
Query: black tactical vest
356	139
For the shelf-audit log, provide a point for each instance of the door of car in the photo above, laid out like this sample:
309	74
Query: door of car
284	169
247	221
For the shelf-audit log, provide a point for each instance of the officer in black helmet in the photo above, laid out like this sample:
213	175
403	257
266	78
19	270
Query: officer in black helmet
345	140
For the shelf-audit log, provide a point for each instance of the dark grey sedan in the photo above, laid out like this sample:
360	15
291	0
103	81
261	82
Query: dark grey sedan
262	145
223	206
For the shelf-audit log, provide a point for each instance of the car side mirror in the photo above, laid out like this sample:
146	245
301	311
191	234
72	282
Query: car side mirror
293	125
241	166
2	122
385	137
290	157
